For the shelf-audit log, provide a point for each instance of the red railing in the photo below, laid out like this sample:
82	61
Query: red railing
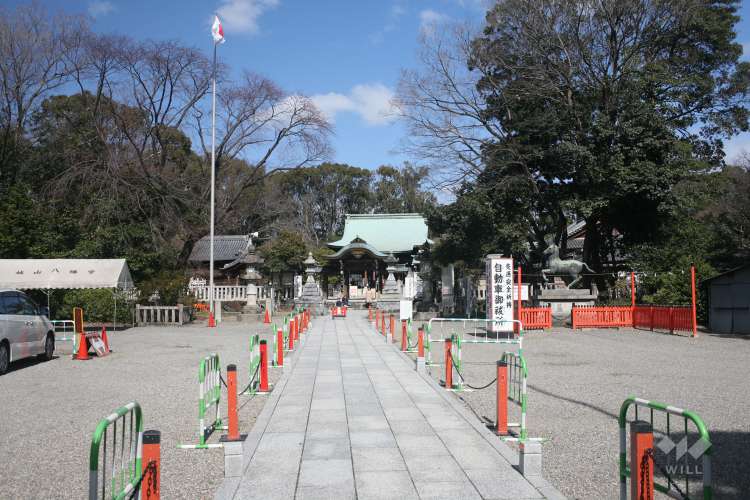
601	317
668	318
536	318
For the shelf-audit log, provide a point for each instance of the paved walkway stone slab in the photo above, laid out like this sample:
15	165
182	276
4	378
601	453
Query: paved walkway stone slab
354	420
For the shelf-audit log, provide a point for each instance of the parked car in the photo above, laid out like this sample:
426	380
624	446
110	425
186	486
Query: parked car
25	329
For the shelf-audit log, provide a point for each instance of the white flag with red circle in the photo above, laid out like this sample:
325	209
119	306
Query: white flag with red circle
217	31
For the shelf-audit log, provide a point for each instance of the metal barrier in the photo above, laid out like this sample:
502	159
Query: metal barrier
254	381
478	334
115	467
64	330
601	317
517	375
674	439
669	318
209	395
536	318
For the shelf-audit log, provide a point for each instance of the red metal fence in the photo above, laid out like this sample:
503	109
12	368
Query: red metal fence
536	318
669	318
601	317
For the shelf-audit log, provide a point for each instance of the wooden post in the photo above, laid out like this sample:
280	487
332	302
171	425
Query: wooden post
641	464
632	290
280	347
420	343
448	363
234	425
263	366
501	424
151	452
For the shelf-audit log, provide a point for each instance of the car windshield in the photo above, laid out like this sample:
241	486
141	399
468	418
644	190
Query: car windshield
11	303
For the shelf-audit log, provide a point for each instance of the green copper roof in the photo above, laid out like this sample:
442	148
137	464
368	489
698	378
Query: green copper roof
385	232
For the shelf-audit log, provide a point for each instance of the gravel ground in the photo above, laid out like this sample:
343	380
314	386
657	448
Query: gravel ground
49	410
578	380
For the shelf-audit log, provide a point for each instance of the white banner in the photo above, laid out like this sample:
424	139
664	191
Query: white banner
500	292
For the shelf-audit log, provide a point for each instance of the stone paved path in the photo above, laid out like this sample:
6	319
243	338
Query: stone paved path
352	419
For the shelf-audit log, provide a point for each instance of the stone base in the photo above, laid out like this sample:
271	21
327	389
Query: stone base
390	304
562	300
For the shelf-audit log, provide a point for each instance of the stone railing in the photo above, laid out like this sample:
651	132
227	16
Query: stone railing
160	315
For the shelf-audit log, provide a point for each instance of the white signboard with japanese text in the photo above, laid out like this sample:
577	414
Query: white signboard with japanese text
500	292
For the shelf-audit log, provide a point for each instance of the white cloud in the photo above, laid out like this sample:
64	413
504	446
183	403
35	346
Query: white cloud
100	8
429	20
394	15
397	11
372	102
241	16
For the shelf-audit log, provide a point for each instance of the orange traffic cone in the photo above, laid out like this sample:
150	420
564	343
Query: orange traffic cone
83	347
105	340
211	320
267	319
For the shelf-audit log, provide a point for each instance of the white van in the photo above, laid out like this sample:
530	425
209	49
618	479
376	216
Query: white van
24	329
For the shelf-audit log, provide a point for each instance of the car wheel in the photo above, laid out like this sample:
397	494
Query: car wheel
4	357
49	347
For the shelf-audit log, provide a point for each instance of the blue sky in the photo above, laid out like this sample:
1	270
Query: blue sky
347	55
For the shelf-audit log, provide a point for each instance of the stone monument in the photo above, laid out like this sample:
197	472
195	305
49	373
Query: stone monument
311	298
557	295
390	297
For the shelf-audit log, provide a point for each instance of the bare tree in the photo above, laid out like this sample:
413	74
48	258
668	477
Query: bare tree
268	129
444	111
33	48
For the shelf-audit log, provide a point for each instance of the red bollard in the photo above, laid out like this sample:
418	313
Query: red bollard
420	343
151	453
280	347
404	338
233	433
291	334
641	450
393	326
501	424
382	324
263	366
448	363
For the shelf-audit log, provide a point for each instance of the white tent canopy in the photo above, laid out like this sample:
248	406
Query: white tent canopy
49	274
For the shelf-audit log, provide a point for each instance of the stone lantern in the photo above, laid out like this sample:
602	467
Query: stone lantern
391	296
311	297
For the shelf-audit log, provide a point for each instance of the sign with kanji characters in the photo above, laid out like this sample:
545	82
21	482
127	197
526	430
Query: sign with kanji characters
500	292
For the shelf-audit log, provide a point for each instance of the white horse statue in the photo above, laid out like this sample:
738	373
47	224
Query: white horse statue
556	265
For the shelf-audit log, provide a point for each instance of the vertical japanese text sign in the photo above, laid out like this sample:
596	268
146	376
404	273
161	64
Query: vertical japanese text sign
500	293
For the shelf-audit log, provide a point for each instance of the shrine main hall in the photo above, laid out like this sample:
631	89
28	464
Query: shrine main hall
372	247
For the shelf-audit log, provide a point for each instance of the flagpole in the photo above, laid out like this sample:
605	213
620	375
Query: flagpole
213	182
